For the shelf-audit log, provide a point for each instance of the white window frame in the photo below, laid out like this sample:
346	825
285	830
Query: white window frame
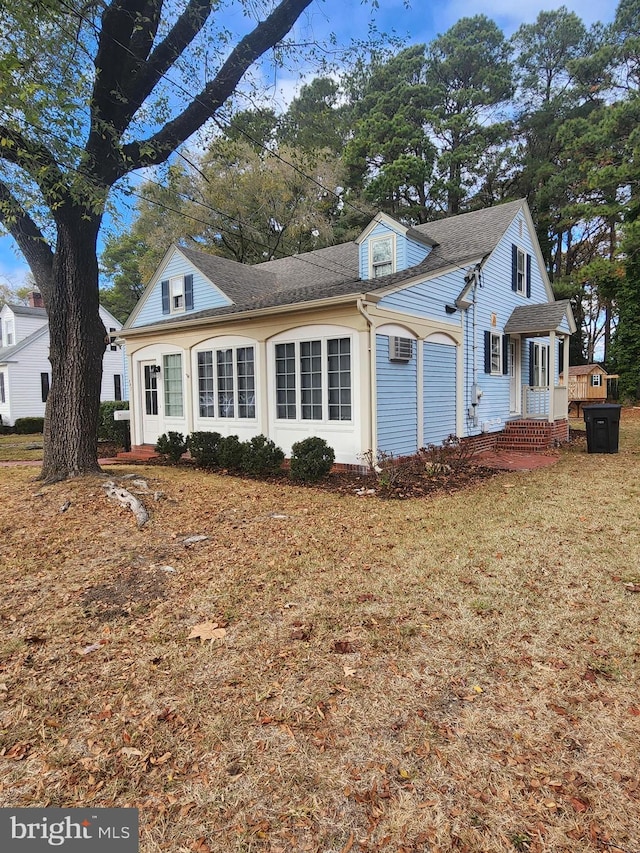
374	266
596	380
521	272
8	329
294	387
540	365
496	354
173	386
177	296
218	378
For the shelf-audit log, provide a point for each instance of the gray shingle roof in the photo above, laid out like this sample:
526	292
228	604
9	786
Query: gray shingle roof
26	310
534	319
333	271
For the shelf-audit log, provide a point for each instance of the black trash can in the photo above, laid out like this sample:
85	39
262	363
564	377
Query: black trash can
602	421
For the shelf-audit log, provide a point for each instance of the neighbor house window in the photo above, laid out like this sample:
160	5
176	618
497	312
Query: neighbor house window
2	392
112	340
44	386
173	404
313	380
117	386
177	294
520	271
226	383
381	249
9	333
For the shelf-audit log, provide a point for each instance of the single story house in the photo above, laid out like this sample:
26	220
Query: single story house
391	342
25	370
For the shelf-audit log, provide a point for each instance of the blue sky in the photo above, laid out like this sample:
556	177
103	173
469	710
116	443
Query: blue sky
348	19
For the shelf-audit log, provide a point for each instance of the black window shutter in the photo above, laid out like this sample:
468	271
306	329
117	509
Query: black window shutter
165	298
514	267
531	365
44	384
505	354
117	387
188	293
529	276
487	352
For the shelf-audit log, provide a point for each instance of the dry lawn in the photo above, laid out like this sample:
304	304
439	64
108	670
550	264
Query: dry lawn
453	673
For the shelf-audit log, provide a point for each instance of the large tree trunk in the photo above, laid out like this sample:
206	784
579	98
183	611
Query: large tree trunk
77	345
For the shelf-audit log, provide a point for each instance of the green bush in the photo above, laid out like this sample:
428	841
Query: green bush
311	459
26	426
203	447
171	445
230	453
108	429
261	456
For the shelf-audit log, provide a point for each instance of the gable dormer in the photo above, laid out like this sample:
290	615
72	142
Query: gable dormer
178	288
386	246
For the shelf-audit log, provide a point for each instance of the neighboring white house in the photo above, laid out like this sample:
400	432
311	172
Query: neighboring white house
25	370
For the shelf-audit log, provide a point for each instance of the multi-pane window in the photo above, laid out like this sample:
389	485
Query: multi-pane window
177	295
521	272
540	371
226	383
151	389
381	256
596	380
496	353
339	376
286	381
313	380
173	401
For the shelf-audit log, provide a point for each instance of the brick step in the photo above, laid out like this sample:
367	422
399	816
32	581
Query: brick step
138	453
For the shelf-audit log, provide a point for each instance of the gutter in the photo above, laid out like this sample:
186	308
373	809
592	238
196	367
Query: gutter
373	400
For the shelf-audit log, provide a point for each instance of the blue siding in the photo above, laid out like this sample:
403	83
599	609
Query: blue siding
397	401
495	303
408	252
439	392
204	294
428	299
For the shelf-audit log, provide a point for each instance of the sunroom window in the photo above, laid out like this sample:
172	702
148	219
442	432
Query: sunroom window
313	380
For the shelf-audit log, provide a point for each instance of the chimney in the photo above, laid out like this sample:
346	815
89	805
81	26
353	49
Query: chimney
35	299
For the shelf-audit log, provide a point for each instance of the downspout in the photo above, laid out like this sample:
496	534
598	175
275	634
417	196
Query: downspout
373	397
476	393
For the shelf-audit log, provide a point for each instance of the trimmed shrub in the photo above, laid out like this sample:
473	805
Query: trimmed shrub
108	429
261	456
203	447
311	459
26	426
171	445
230	453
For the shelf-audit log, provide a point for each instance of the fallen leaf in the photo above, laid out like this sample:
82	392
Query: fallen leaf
632	587
578	805
207	631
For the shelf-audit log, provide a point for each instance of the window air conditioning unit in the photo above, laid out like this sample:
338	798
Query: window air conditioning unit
400	349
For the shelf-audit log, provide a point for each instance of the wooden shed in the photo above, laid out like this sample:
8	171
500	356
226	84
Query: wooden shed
588	383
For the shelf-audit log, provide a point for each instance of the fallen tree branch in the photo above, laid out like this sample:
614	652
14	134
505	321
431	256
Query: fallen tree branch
128	500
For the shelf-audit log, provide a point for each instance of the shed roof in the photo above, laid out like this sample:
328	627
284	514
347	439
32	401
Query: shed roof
539	319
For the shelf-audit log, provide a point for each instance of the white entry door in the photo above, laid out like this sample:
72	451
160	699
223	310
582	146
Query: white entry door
514	376
149	404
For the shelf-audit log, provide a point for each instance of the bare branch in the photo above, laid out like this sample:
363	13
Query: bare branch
266	34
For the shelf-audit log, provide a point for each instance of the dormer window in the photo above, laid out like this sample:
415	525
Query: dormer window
381	249
520	271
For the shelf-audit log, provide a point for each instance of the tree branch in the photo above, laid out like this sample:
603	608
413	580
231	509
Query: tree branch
265	35
29	238
36	160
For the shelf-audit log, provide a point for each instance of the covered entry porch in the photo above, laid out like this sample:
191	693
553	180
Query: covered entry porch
539	393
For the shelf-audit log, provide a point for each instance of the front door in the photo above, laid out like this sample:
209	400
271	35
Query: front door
149	385
514	376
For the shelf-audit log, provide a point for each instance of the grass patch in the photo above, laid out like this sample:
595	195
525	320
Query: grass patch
20	447
453	673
